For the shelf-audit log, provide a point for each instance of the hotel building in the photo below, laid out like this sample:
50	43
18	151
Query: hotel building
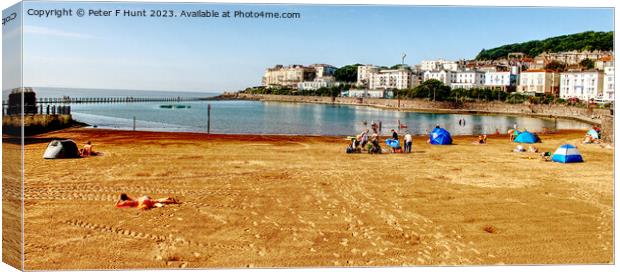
445	76
468	79
363	74
501	80
288	76
401	78
584	85
538	82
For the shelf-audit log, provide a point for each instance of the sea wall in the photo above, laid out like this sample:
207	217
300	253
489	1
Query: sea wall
589	115
35	123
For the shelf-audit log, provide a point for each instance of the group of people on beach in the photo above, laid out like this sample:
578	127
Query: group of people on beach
362	140
371	143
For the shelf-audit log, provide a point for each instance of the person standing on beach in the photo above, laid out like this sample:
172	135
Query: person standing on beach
375	127
408	142
394	134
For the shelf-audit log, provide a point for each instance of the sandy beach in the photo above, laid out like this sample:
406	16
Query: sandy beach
297	201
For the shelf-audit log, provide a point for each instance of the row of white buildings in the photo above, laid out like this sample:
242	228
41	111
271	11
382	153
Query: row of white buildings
452	74
584	85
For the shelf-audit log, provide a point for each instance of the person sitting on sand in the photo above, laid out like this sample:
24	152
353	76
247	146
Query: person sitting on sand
482	139
87	150
358	141
144	202
533	149
374	147
364	137
546	156
589	139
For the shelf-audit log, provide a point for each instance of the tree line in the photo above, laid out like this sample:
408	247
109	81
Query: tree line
435	90
585	41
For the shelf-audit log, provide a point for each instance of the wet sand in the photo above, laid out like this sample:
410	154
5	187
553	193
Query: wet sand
295	201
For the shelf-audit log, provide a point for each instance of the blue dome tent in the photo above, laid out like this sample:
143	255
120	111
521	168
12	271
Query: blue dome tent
527	137
440	136
567	154
392	143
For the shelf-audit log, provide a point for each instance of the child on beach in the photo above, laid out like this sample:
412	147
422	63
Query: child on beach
144	202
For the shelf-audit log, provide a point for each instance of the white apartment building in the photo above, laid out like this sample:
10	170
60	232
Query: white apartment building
583	85
608	84
401	78
502	80
445	76
538	82
363	74
368	93
316	84
441	64
468	79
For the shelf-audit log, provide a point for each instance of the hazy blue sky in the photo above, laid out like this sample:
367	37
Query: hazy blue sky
217	54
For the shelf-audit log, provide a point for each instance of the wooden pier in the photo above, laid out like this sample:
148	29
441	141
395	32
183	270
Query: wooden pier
77	100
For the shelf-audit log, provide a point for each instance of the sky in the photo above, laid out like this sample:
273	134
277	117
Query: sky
228	54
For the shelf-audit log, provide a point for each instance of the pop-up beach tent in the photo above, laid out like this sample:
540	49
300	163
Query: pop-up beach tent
440	136
593	133
527	137
59	149
392	143
567	154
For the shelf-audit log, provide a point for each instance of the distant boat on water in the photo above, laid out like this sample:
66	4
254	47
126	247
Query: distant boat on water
175	106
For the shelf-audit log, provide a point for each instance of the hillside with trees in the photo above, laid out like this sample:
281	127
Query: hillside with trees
347	73
585	41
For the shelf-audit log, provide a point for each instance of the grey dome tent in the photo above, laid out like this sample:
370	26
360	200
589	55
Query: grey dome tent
59	149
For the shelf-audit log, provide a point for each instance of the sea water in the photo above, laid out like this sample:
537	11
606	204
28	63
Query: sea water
256	117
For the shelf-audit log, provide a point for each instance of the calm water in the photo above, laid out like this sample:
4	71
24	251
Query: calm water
254	117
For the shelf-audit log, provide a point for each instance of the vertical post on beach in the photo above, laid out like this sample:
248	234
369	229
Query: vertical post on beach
134	123
208	118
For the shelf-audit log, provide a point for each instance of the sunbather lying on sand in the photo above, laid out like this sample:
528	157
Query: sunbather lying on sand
546	156
144	202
